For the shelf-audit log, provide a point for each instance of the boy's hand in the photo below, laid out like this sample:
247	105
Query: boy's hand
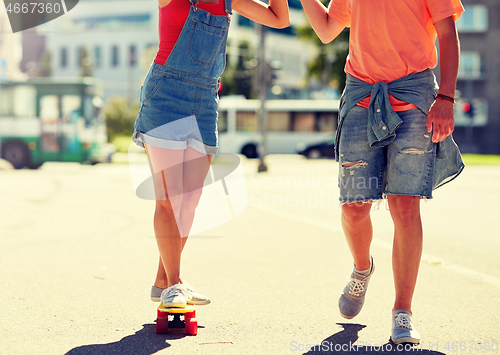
441	120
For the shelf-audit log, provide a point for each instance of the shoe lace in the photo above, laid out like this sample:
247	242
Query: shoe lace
356	286
403	320
177	290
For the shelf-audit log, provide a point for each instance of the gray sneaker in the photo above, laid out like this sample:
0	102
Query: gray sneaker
156	293
176	296
196	297
352	298
403	330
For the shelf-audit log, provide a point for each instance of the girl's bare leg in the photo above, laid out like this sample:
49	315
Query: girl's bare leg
174	215
195	171
166	168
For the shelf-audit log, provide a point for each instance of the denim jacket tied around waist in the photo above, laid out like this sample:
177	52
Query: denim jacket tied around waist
419	89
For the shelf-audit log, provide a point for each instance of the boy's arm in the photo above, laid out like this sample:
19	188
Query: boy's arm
273	15
325	27
441	116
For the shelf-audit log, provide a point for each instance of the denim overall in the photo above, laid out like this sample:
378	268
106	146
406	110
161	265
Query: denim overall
179	100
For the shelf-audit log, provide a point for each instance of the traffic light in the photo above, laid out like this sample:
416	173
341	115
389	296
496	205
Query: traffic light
468	109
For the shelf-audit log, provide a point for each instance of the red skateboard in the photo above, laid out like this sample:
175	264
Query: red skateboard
188	321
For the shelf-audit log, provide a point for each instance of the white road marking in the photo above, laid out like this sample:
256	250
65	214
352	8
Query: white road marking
427	258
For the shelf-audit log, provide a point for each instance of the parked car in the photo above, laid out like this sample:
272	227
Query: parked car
324	149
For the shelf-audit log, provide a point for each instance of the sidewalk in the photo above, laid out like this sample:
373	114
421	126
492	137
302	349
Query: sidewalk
78	258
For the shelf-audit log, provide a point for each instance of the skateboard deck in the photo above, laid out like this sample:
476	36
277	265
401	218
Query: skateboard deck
176	319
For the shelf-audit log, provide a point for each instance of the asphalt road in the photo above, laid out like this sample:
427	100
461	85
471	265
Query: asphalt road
78	257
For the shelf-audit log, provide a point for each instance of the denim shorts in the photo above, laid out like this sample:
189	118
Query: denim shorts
403	167
177	112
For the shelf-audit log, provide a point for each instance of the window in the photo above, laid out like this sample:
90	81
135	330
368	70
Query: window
247	121
115	60
25	100
63	59
278	121
6	102
304	122
71	107
114	22
470	65
18	101
473	19
49	116
97	56
327	121
132	55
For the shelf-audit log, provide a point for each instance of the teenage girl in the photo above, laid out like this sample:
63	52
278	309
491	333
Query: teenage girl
177	120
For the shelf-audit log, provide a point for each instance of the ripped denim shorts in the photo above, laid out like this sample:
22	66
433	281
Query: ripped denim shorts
403	167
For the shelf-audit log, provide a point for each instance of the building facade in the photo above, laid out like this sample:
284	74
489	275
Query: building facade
121	39
478	82
10	50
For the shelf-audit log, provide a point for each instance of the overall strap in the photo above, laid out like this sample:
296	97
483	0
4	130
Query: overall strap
194	2
229	9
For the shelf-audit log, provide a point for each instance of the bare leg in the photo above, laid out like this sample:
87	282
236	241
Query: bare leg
195	172
358	230
166	167
407	247
161	280
181	184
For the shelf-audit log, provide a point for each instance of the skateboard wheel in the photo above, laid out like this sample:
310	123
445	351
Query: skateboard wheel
190	315
161	325
191	326
160	314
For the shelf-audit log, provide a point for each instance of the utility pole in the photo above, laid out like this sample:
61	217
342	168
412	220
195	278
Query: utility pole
262	94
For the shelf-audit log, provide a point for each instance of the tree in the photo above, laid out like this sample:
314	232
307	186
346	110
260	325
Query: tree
244	71
328	65
120	116
86	65
237	79
45	66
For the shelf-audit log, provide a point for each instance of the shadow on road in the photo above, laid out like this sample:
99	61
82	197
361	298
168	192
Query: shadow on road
345	341
143	342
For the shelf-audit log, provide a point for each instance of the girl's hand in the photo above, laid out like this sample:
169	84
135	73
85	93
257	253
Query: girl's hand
326	28
273	15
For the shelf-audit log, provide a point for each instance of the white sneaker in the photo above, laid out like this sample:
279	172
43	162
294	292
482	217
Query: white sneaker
196	297
403	330
175	296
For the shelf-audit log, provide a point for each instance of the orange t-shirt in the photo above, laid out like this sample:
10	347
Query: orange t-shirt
390	39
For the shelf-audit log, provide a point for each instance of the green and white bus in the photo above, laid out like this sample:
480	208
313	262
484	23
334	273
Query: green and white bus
45	119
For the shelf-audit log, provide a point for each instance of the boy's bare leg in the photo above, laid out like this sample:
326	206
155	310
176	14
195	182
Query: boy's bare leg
407	247
358	231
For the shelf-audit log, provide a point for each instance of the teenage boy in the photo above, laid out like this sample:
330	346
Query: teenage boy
394	133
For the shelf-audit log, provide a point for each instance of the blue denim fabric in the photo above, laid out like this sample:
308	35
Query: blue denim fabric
186	86
419	89
403	167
